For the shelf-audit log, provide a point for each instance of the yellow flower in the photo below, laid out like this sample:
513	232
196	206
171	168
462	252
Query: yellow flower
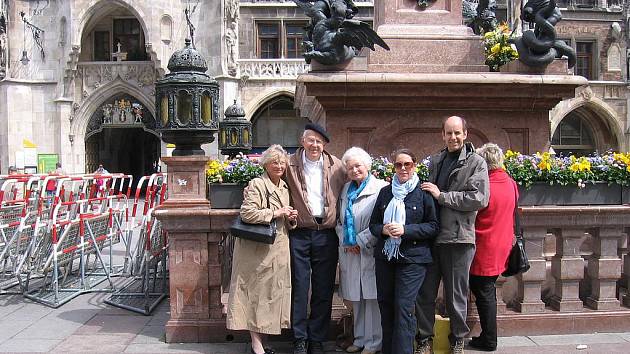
495	48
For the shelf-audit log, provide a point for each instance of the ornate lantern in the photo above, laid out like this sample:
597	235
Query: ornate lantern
186	102
235	131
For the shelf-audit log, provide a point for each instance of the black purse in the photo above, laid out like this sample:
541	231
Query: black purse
264	233
517	261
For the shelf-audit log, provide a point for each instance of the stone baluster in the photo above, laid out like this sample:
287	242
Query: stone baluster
567	267
625	281
501	305
604	268
530	283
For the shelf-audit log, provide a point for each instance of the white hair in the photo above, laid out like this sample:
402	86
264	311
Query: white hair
493	155
273	153
356	153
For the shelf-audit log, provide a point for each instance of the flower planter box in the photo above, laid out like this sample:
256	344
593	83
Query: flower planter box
592	194
225	195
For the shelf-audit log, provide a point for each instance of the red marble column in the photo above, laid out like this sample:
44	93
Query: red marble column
194	232
530	283
604	269
567	267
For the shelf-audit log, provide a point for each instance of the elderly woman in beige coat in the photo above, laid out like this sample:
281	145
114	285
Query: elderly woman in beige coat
357	278
260	288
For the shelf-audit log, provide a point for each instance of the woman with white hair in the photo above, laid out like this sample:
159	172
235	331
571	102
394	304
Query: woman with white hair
357	278
494	232
260	288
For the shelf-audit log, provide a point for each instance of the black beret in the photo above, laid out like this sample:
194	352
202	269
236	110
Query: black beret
319	129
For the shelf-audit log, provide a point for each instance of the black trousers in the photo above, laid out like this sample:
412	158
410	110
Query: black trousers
483	287
314	255
397	286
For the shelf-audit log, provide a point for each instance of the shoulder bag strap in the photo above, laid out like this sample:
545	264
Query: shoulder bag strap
517	220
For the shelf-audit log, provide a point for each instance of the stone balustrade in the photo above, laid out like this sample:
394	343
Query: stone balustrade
579	276
261	69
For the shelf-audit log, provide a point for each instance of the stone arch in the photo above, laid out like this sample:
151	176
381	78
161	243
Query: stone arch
92	103
598	115
258	101
92	11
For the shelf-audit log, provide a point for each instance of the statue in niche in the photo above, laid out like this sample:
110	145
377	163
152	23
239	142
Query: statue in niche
539	47
107	113
136	108
480	15
231	35
3	46
333	37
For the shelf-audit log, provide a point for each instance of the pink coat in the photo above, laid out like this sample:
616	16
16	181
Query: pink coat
494	227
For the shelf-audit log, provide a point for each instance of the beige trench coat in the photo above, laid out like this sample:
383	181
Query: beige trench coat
357	277
260	288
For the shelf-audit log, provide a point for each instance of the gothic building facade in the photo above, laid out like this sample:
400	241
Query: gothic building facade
77	76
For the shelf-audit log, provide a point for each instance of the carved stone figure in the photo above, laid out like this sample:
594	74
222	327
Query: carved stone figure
333	36
540	47
3	46
107	113
231	35
480	15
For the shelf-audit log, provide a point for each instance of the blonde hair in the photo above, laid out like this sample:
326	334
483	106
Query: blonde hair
493	155
273	153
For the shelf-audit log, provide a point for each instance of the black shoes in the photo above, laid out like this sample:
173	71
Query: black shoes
480	344
299	347
316	348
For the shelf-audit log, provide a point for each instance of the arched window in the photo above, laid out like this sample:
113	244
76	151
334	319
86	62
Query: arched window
573	136
277	122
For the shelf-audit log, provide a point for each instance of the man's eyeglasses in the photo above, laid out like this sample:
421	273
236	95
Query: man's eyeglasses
399	165
313	141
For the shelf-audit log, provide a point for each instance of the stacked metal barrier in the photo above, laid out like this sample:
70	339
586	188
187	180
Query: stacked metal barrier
52	240
146	263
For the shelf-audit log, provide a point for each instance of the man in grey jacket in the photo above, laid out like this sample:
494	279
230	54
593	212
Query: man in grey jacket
458	180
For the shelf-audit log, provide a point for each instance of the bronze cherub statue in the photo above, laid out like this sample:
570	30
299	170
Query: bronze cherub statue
333	36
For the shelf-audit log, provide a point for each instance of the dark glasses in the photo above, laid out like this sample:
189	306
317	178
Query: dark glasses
399	165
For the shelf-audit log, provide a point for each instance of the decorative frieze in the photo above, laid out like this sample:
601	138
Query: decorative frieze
257	69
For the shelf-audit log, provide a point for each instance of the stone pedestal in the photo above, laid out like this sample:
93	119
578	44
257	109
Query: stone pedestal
427	40
530	283
604	268
194	232
567	267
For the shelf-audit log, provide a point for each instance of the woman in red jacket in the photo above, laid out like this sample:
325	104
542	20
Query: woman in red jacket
494	231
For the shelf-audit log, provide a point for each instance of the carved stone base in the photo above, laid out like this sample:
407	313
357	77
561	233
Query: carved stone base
561	305
605	304
530	307
197	331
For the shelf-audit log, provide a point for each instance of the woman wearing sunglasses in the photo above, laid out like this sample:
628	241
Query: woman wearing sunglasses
404	221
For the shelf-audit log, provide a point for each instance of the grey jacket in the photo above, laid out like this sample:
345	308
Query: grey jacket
468	191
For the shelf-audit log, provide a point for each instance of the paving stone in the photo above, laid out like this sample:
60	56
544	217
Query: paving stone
517	341
188	348
150	335
625	336
114	343
577	339
108	324
10	329
49	327
29	345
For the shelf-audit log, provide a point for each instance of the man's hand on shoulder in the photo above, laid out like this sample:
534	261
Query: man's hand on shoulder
431	188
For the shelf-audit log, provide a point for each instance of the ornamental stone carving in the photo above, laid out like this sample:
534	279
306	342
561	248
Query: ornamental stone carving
93	75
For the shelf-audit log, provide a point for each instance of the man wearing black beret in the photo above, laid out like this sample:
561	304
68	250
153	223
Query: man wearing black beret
315	178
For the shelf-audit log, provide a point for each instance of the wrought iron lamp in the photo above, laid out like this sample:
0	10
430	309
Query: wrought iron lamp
235	131
186	102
